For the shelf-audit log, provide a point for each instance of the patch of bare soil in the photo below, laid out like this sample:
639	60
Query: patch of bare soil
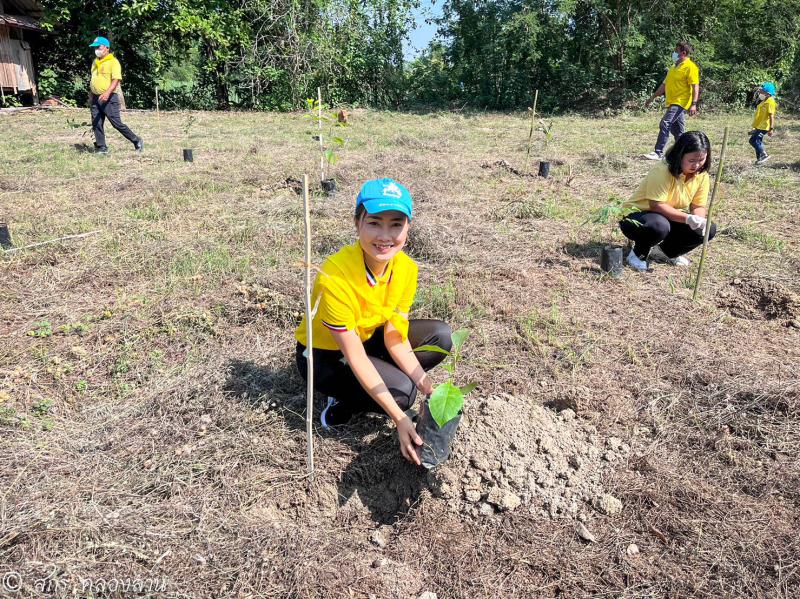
513	454
759	299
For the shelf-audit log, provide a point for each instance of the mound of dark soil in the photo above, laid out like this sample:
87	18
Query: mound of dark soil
759	299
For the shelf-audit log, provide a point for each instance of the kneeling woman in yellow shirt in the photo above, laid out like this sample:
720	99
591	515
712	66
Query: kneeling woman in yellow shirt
362	337
672	201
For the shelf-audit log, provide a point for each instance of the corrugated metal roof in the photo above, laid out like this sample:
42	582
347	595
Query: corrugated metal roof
20	22
31	8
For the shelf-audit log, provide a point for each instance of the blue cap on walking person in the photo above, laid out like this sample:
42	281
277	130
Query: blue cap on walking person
768	87
100	41
382	195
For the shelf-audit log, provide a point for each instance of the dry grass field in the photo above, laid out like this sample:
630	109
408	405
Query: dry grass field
152	420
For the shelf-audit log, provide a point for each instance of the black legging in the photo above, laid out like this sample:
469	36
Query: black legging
335	378
651	228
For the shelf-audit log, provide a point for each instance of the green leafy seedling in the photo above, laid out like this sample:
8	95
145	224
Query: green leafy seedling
330	145
547	133
616	210
447	399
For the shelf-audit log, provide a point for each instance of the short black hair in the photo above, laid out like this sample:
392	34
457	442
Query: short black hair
691	141
684	47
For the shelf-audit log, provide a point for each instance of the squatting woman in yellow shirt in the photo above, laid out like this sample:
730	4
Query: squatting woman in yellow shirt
672	202
362	337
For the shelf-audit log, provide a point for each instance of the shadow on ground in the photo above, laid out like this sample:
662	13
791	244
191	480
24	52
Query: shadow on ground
377	478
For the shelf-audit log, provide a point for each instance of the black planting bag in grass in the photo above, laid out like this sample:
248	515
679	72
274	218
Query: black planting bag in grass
441	412
436	440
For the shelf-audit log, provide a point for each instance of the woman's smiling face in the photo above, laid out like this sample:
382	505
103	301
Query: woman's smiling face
382	235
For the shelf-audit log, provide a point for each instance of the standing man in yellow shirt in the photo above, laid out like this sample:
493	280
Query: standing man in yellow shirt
106	76
682	90
763	120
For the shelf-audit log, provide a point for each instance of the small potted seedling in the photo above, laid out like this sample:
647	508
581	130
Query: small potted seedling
441	412
5	237
87	130
547	136
329	144
187	128
616	210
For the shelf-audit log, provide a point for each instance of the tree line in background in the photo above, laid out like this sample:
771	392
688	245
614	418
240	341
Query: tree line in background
272	54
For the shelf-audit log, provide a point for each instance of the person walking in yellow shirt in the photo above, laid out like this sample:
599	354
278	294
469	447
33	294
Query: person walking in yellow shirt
672	199
764	120
363	340
682	91
106	77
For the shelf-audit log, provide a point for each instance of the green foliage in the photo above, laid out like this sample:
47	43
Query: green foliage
10	101
41	329
591	53
610	214
272	54
42	408
447	399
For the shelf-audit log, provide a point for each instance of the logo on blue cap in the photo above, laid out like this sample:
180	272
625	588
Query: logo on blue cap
382	195
100	41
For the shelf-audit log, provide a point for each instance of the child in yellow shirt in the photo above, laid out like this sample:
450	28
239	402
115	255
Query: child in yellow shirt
763	121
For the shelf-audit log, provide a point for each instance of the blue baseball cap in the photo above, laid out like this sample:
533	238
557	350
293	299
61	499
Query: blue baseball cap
100	41
381	195
768	87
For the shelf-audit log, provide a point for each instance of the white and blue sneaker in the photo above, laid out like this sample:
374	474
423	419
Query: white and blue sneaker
333	415
635	262
326	413
658	255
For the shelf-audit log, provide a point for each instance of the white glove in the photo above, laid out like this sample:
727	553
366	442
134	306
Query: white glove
697	223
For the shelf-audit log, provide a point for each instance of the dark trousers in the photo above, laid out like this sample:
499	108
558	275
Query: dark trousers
647	229
757	141
673	121
108	110
335	378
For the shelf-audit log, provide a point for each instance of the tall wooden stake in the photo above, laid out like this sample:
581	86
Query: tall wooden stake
720	169
319	131
530	133
160	129
309	339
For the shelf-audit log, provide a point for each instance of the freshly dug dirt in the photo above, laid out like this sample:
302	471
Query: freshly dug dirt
759	299
513	454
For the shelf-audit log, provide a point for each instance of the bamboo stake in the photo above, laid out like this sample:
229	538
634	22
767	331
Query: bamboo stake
709	213
530	133
319	130
309	339
49	241
160	129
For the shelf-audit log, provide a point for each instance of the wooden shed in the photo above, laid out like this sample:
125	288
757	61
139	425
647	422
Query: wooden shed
19	25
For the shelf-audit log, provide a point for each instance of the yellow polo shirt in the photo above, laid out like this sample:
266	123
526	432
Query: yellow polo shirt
660	186
104	70
679	82
351	298
763	110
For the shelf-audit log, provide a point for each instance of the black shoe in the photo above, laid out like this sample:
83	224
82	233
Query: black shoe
333	415
139	145
101	150
5	237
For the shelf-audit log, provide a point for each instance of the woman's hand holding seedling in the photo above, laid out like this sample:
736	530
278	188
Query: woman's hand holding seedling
408	439
425	385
